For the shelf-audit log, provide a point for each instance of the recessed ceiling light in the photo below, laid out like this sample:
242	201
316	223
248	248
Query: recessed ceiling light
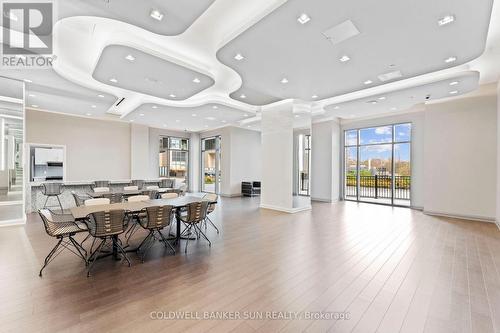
142	114
27	80
243	96
336	107
297	116
249	126
194	115
314	96
32	95
196	80
394	109
34	105
373	102
215	107
206	126
113	80
89	114
164	125
446	20
210	118
177	121
303	18
239	56
93	106
130	57
154	107
344	58
284	80
101	96
131	120
368	82
156	14
223	121
172	95
245	115
450	60
381	98
454	83
454	92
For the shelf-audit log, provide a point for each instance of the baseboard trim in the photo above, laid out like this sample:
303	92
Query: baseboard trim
286	210
12	223
11	203
321	200
462	217
230	195
417	208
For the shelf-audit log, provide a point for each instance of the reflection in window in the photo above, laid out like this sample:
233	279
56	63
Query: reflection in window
174	158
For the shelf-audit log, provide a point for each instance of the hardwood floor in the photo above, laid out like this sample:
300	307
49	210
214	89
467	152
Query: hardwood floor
390	269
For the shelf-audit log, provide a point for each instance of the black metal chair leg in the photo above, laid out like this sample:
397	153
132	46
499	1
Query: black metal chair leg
95	255
165	241
60	205
144	241
79	248
45	204
124	254
213	224
148	246
51	253
204	236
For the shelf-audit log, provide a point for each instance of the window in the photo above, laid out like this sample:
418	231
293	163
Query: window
377	165
174	158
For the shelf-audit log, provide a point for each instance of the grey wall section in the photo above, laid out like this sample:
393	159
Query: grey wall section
461	157
498	157
325	171
139	143
95	149
417	147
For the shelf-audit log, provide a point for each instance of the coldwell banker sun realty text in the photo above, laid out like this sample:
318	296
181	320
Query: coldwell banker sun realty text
27	34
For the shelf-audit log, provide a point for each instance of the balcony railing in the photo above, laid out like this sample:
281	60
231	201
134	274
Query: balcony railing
378	187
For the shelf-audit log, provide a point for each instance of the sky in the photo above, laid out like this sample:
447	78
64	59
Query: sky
381	135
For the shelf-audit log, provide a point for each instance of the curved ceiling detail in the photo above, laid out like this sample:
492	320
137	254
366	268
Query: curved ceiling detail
176	16
195	119
283	58
400	100
135	70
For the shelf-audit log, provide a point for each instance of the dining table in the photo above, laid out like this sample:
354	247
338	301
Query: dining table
82	212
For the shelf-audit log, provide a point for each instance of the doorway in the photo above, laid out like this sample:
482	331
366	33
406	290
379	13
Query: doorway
210	164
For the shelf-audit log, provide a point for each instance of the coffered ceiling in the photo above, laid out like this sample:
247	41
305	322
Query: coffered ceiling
241	55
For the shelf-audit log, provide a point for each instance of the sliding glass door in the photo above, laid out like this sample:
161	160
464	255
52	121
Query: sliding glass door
304	166
174	159
377	165
210	164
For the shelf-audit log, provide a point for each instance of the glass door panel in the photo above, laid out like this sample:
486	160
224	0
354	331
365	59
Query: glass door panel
210	165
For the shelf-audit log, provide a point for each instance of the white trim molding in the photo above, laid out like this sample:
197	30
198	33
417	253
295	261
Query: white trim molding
461	217
286	210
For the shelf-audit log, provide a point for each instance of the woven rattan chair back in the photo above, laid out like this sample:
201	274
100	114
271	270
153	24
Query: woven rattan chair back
212	199
52	188
167	183
158	217
101	183
196	212
138	183
114	197
107	223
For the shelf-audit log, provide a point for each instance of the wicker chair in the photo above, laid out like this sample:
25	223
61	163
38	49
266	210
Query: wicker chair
63	227
113	197
152	194
104	226
51	190
167	183
79	199
195	213
138	183
157	218
134	218
100	183
212	202
182	189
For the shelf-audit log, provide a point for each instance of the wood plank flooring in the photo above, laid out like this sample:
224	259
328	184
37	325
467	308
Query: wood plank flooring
388	269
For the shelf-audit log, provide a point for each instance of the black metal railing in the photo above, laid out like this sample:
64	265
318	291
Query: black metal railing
378	187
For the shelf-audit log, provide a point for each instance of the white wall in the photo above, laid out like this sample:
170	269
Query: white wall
461	157
195	163
498	156
246	158
417	147
139	152
322	161
95	149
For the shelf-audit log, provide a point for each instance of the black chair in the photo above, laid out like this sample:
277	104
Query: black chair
212	202
250	189
153	194
63	227
113	197
156	219
106	225
195	213
51	190
79	199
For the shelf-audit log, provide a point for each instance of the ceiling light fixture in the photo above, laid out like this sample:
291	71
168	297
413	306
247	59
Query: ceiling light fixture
93	106
284	80
194	115
223	121
154	107
31	95
172	95
177	121
164	125
446	20
130	57
34	105
142	114
314	96
215	107
27	80
454	92
89	114
336	107
113	80
454	83
101	96
243	96
368	82
239	57
394	109
450	60
381	98
303	18
156	14
344	58
131	120
245	115
196	80
297	116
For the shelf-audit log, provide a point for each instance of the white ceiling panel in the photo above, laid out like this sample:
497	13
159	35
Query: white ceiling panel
134	70
394	35
177	15
186	119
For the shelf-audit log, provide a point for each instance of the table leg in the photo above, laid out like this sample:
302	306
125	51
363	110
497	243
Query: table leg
115	248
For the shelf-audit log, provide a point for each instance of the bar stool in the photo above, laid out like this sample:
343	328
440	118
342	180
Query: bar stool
52	190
